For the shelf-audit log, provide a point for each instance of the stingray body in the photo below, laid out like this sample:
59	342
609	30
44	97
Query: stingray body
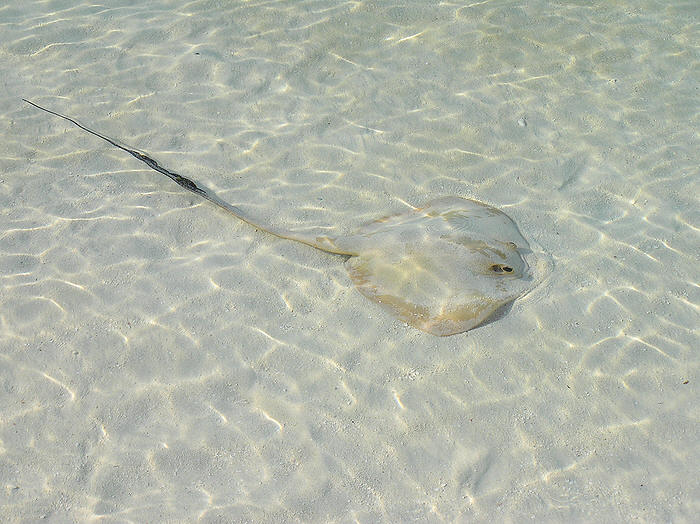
443	268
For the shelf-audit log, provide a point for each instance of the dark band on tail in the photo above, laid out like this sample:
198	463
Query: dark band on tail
150	162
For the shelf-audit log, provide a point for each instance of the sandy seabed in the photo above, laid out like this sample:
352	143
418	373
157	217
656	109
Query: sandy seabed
161	361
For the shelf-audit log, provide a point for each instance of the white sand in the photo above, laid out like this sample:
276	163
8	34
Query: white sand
162	361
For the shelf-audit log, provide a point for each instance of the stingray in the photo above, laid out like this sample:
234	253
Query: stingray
443	268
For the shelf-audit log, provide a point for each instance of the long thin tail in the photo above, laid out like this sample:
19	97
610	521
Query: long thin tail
318	241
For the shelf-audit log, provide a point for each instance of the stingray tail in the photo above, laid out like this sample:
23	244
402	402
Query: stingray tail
319	242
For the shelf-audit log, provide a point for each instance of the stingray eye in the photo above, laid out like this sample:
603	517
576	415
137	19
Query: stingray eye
501	269
513	245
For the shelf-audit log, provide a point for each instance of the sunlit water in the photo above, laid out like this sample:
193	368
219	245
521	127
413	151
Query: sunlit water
162	361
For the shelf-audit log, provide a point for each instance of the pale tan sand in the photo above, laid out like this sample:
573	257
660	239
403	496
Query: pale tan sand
163	362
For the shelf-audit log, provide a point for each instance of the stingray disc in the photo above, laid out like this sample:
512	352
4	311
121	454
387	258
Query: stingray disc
443	268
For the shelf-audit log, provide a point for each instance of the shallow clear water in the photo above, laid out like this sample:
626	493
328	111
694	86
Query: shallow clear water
162	361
